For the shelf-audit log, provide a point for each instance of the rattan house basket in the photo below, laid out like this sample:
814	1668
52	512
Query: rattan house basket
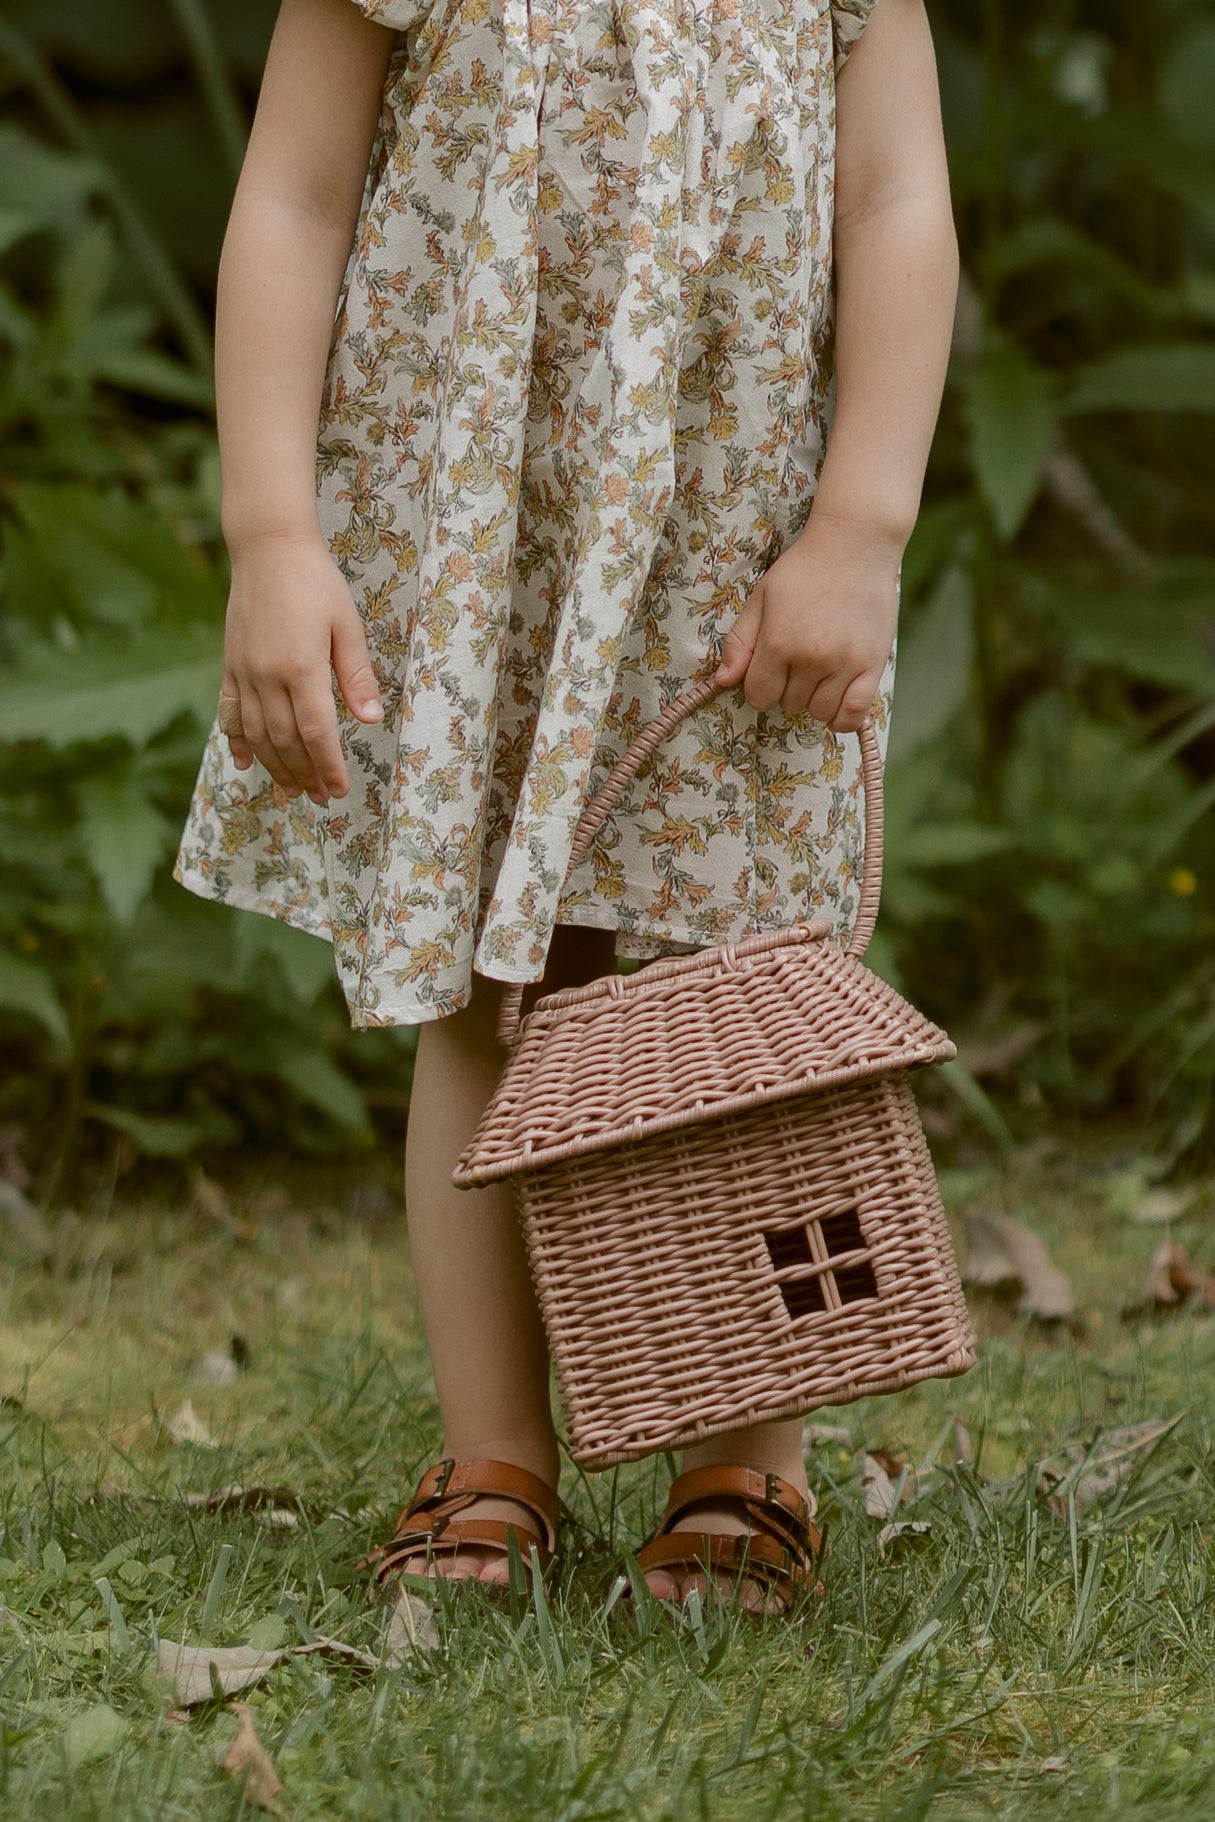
727	1199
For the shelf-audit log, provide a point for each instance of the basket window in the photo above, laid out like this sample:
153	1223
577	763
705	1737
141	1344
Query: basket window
804	1296
804	1259
842	1233
855	1282
788	1246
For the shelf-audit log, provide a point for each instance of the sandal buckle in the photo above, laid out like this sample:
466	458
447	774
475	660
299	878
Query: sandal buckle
446	1470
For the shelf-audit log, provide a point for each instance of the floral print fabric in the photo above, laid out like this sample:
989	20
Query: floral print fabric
575	406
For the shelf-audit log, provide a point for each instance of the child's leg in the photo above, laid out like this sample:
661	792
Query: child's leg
483	1328
772	1448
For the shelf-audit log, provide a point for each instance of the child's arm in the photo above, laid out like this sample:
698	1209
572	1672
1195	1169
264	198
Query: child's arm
291	619
816	631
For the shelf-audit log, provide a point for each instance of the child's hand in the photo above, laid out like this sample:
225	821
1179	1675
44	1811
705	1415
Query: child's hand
816	631
291	623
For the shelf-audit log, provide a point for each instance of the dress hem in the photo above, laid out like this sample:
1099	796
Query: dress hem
418	1012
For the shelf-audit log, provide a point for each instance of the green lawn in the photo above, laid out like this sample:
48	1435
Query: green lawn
1025	1652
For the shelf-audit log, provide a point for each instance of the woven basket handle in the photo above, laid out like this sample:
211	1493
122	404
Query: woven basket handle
604	801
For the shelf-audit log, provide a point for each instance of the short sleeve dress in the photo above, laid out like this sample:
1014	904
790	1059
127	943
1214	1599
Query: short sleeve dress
576	403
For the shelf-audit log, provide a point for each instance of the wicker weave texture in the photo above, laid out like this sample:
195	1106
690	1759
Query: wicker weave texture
729	1207
751	1268
693	1040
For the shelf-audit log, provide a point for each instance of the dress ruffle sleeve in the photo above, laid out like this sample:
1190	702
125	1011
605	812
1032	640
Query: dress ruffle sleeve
848	20
399	15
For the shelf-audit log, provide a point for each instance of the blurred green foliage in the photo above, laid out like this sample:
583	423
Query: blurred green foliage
1052	787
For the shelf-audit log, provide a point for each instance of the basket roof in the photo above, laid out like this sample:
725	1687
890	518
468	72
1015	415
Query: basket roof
681	1042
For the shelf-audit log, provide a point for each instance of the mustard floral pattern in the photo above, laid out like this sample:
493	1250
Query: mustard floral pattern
576	404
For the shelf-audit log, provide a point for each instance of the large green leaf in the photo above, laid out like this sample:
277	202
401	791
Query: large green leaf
128	687
321	1083
1162	635
1011	412
124	837
87	268
166	1135
112	558
154	376
176	944
306	961
1142	155
950	844
934	665
44	184
1176	376
26	987
1046	241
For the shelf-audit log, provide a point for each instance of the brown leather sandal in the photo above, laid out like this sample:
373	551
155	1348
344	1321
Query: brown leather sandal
782	1554
430	1524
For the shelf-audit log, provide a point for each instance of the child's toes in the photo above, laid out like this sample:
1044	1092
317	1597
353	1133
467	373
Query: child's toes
751	1596
696	1583
459	1565
662	1586
496	1571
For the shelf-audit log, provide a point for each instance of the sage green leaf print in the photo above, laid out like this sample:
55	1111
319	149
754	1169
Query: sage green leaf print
576	404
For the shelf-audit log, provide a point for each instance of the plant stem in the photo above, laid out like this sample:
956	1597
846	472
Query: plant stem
219	91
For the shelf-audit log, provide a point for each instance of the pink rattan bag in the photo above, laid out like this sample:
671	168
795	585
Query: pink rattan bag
726	1194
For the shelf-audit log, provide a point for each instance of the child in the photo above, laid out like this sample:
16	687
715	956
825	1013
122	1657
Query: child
604	271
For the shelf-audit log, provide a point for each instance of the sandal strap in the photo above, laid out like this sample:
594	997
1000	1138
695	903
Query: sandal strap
452	1485
762	1559
771	1502
431	1521
784	1548
492	1532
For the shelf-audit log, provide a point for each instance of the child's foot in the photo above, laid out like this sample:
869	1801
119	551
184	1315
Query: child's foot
458	1523
748	1535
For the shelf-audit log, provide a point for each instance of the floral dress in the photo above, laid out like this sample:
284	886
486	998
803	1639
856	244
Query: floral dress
576	404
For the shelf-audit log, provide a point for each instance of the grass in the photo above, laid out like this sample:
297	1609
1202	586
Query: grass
1022	1654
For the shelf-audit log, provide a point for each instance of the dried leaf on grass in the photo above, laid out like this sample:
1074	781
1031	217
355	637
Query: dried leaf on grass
880	1477
235	1498
887	1484
906	1528
1089	1472
963	1448
284	1502
411	1629
189	1667
835	1434
215	1369
210	1197
1001	1251
1160	1205
186	1425
1172	1280
250	1764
